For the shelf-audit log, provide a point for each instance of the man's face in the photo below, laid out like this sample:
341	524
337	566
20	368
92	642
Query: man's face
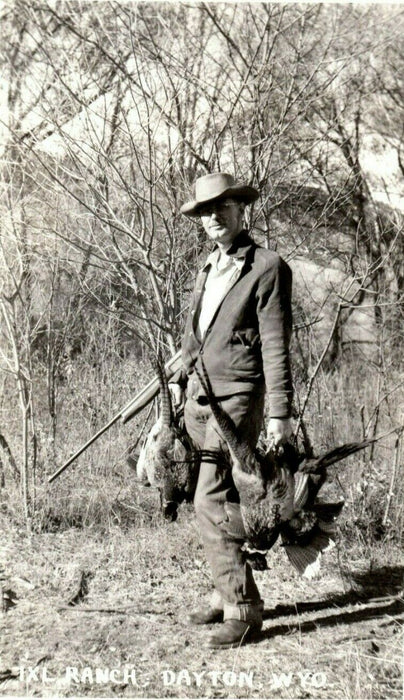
222	220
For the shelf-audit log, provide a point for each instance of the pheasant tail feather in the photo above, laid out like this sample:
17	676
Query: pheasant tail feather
307	560
341	452
241	451
165	397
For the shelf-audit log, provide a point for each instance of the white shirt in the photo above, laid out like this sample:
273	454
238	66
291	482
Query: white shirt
221	276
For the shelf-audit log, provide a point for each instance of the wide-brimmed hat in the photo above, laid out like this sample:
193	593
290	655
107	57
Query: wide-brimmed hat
218	186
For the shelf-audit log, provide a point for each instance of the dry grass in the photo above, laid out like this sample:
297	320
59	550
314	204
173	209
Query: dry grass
328	637
141	582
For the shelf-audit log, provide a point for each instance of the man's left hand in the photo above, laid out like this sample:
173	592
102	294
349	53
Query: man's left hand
279	431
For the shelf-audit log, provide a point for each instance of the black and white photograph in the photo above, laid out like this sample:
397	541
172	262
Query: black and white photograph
201	349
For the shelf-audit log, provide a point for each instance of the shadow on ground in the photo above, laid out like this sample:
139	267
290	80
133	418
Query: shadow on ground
386	583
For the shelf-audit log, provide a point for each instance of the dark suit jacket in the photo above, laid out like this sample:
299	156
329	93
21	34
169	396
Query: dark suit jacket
247	341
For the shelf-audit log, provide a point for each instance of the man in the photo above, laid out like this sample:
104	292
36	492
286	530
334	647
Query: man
239	322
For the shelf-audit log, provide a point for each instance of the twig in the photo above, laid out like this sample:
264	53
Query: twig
137	509
362	416
308	447
113	611
397	451
6	447
383	398
139	437
317	367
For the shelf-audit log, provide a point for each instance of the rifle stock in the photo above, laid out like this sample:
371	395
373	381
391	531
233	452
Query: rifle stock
129	411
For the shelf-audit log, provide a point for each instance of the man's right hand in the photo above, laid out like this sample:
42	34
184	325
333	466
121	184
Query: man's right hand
177	394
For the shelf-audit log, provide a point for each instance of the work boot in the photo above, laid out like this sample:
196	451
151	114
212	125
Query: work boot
233	633
206	616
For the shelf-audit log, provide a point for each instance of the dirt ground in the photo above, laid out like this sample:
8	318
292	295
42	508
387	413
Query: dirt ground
101	615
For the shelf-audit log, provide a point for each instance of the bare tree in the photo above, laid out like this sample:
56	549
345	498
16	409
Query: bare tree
115	108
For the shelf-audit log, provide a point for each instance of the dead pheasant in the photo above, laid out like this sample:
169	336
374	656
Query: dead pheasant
278	494
167	460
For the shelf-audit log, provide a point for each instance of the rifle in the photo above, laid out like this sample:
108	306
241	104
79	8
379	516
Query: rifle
129	411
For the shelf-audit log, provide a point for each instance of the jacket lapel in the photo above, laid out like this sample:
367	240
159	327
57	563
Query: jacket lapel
241	250
228	289
196	300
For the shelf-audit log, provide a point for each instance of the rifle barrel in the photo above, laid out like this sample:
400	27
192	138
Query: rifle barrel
84	447
131	409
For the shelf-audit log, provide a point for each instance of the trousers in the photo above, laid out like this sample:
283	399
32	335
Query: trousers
235	589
